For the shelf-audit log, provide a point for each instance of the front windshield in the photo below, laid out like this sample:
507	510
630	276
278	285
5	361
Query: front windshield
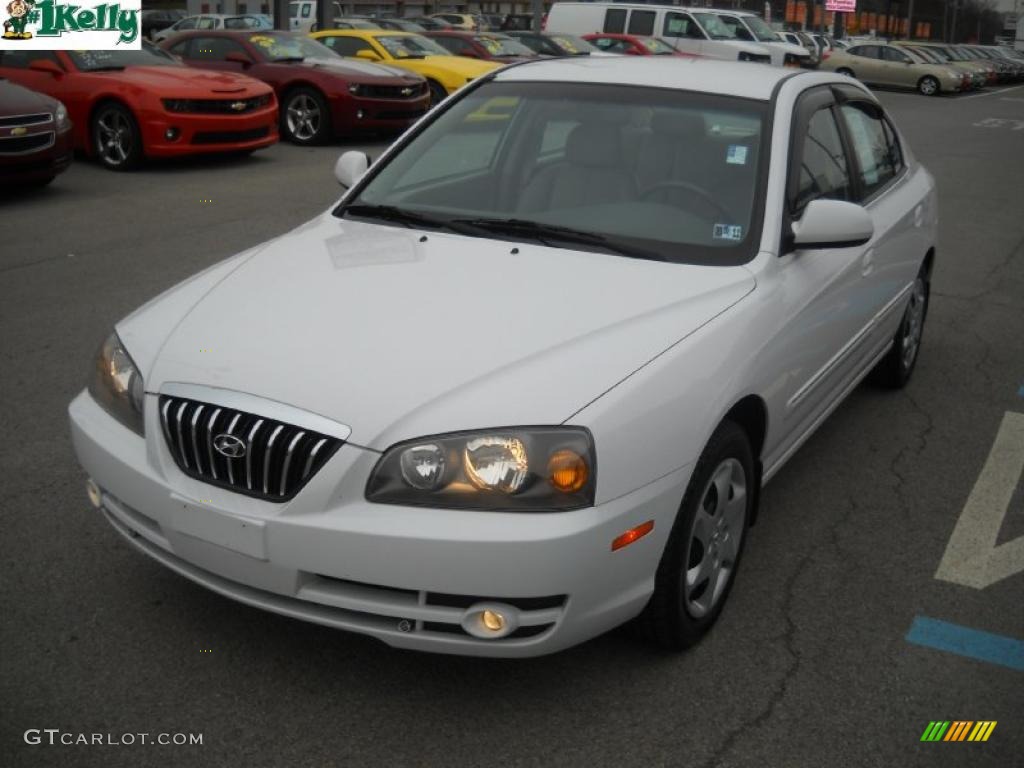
285	46
411	46
761	30
714	27
97	61
503	46
575	46
556	169
657	47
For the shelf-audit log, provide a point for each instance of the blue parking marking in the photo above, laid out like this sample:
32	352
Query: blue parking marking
964	641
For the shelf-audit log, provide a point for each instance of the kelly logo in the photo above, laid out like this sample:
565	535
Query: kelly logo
958	730
88	25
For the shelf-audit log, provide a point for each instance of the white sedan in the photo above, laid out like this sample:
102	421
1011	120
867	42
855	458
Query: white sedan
526	380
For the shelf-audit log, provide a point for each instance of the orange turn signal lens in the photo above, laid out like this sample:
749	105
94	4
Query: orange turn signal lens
567	471
632	535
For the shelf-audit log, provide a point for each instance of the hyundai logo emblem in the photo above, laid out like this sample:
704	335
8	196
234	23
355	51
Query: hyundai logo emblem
229	446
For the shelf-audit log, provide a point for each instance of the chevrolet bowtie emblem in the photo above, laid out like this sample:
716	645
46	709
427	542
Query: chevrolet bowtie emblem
238	106
19	131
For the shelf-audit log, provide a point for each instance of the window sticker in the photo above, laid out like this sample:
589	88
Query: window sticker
727	232
736	155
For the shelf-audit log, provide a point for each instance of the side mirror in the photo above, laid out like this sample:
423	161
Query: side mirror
832	224
239	58
366	53
45	65
350	167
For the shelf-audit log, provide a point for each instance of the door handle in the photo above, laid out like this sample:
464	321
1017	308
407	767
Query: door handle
867	263
918	216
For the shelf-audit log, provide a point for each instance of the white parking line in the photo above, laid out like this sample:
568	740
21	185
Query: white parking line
991	93
972	557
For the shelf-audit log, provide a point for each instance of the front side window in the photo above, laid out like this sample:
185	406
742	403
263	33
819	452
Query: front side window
410	46
824	171
682	25
736	28
189	23
642	172
347	46
891	54
877	156
714	27
761	30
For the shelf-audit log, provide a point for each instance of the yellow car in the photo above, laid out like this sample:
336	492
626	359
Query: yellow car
445	73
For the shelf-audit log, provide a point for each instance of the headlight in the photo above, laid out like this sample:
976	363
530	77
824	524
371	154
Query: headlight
355	88
529	469
63	123
117	385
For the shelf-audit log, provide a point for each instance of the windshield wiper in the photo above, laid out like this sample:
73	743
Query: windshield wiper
409	218
548	233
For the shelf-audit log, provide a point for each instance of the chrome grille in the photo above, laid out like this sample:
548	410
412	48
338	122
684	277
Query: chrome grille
277	460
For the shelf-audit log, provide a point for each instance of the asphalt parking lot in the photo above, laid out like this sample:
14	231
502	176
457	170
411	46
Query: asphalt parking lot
810	664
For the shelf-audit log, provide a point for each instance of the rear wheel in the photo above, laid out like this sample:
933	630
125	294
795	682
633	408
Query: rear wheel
845	71
304	117
928	86
116	137
698	566
894	370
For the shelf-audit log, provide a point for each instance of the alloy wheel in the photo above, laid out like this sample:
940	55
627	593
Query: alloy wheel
303	117
114	137
714	541
913	327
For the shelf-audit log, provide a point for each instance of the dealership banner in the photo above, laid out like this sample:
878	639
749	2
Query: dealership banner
843	6
87	25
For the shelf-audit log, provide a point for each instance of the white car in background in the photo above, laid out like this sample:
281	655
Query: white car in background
243	21
526	380
302	15
752	28
690	30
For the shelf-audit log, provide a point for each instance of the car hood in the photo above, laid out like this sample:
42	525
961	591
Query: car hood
362	70
179	81
399	333
17	100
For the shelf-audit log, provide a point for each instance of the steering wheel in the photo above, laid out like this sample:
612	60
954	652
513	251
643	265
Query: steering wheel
699	192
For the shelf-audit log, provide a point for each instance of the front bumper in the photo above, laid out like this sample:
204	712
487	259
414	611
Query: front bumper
38	165
406	576
354	115
200	134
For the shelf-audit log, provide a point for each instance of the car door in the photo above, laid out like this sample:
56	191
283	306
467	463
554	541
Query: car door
895	200
824	321
866	67
900	68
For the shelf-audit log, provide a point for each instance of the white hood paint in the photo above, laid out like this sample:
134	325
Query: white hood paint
398	338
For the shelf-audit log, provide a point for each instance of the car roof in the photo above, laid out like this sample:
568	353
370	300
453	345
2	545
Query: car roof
366	33
729	78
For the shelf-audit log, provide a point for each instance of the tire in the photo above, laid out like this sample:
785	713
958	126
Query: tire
679	614
40	183
845	71
928	86
115	136
895	369
437	92
305	118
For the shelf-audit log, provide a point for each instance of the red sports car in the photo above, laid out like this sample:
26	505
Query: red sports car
634	45
489	46
127	105
322	95
35	137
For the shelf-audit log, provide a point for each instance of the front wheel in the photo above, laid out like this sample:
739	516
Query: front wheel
116	137
698	566
304	117
894	370
437	93
844	71
928	86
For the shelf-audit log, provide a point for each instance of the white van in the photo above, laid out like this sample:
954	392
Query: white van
744	25
303	15
691	30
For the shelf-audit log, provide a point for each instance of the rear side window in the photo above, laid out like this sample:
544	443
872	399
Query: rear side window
615	20
824	170
874	144
641	23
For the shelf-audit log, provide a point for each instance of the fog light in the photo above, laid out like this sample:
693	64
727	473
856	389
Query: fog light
359	114
490	621
171	134
93	492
